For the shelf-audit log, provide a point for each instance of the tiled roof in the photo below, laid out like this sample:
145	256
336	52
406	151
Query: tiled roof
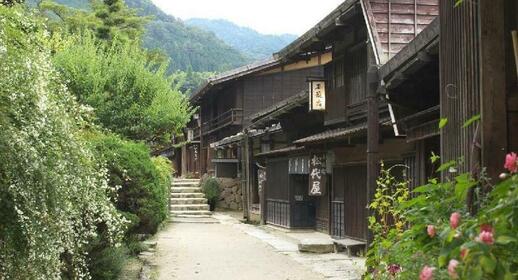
281	151
337	133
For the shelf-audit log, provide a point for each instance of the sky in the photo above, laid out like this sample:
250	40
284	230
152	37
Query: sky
265	16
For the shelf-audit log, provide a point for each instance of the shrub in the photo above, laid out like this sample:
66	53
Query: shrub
444	240
142	182
53	193
132	95
211	189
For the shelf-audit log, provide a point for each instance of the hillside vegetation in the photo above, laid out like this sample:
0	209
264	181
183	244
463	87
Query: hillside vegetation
253	44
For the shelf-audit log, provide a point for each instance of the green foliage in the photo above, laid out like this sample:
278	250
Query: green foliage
185	46
105	262
211	189
107	19
483	243
142	182
117	20
53	193
251	43
10	2
130	94
443	122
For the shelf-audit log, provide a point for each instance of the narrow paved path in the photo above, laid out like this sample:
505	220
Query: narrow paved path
190	251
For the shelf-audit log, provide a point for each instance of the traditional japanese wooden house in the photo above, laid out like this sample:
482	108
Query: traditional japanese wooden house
340	149
225	104
459	78
478	78
411	81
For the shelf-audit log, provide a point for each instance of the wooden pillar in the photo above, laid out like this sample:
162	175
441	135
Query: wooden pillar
183	171
245	175
493	92
373	134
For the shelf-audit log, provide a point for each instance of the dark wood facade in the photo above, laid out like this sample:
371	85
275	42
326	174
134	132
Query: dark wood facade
392	70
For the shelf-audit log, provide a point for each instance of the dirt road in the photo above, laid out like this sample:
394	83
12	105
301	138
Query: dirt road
190	251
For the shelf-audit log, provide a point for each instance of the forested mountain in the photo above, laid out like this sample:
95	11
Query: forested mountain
188	47
250	42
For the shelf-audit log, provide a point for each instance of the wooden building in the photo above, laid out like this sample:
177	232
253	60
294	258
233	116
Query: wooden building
225	104
355	130
391	70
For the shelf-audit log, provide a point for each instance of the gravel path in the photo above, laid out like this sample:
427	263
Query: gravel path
218	251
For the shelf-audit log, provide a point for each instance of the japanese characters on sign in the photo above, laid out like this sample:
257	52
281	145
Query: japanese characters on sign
317	95
261	178
195	152
317	174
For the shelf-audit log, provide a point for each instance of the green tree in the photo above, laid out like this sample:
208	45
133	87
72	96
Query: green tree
107	19
130	94
117	20
54	195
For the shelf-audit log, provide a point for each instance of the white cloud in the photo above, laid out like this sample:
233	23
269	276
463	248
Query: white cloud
265	16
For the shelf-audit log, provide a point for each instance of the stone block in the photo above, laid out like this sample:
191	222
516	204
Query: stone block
317	246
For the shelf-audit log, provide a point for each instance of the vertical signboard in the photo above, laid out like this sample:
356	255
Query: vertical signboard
317	95
317	174
261	179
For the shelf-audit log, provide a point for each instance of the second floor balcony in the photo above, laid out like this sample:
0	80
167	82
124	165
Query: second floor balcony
231	117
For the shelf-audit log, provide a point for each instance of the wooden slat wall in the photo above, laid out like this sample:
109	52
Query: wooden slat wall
459	78
355	75
349	186
346	82
322	210
263	91
397	22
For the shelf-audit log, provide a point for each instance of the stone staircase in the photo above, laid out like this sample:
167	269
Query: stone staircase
187	199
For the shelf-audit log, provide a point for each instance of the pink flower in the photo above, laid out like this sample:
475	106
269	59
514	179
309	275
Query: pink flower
452	267
430	229
426	273
511	162
486	237
486	227
454	220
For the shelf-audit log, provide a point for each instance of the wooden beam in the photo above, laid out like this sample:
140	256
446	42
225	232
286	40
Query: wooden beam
493	85
373	132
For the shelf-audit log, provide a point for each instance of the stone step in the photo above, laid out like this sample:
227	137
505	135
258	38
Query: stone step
188	200
185	185
185	190
200	217
187	195
186	180
178	213
194	207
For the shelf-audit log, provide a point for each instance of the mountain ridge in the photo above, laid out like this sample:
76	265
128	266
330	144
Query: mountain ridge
252	43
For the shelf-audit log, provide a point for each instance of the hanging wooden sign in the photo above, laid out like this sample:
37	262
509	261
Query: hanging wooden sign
317	95
261	179
317	175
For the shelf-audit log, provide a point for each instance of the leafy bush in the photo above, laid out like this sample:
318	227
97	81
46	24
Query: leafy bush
54	196
105	262
130	93
442	239
211	189
142	182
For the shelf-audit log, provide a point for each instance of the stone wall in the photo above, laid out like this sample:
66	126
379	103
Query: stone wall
230	197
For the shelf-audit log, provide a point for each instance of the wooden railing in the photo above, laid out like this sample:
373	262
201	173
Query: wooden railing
337	218
278	212
230	117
